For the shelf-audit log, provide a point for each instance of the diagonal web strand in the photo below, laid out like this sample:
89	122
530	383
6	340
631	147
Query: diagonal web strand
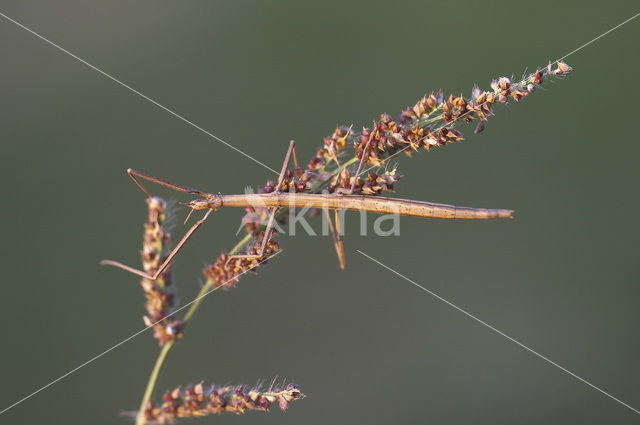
142	95
499	332
94	358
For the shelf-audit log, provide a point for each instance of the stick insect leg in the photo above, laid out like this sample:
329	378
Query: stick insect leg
293	151
269	229
355	178
365	152
340	245
169	258
349	191
137	174
287	158
265	239
337	238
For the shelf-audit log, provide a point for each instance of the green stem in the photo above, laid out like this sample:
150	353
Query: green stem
153	379
164	352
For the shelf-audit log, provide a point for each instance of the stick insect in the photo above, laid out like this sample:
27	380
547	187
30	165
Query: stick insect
344	200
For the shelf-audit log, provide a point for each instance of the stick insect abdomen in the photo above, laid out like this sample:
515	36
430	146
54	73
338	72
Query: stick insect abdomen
366	203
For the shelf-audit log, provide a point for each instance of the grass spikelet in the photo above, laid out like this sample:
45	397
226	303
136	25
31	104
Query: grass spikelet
197	402
159	293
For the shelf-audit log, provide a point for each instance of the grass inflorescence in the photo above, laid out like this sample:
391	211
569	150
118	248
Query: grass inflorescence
159	293
197	402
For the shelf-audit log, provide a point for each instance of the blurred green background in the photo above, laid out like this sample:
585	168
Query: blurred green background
365	345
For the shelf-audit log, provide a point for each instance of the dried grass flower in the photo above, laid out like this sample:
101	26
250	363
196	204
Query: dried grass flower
197	402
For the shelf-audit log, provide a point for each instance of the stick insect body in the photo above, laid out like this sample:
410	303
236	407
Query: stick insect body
277	199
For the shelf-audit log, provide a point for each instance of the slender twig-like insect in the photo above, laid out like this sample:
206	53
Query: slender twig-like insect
277	199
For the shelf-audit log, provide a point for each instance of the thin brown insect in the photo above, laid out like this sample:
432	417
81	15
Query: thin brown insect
277	199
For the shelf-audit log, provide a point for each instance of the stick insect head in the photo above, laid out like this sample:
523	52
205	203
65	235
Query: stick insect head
212	202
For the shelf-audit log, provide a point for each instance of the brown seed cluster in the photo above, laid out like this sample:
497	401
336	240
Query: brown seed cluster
159	295
196	402
372	184
227	271
331	150
430	122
